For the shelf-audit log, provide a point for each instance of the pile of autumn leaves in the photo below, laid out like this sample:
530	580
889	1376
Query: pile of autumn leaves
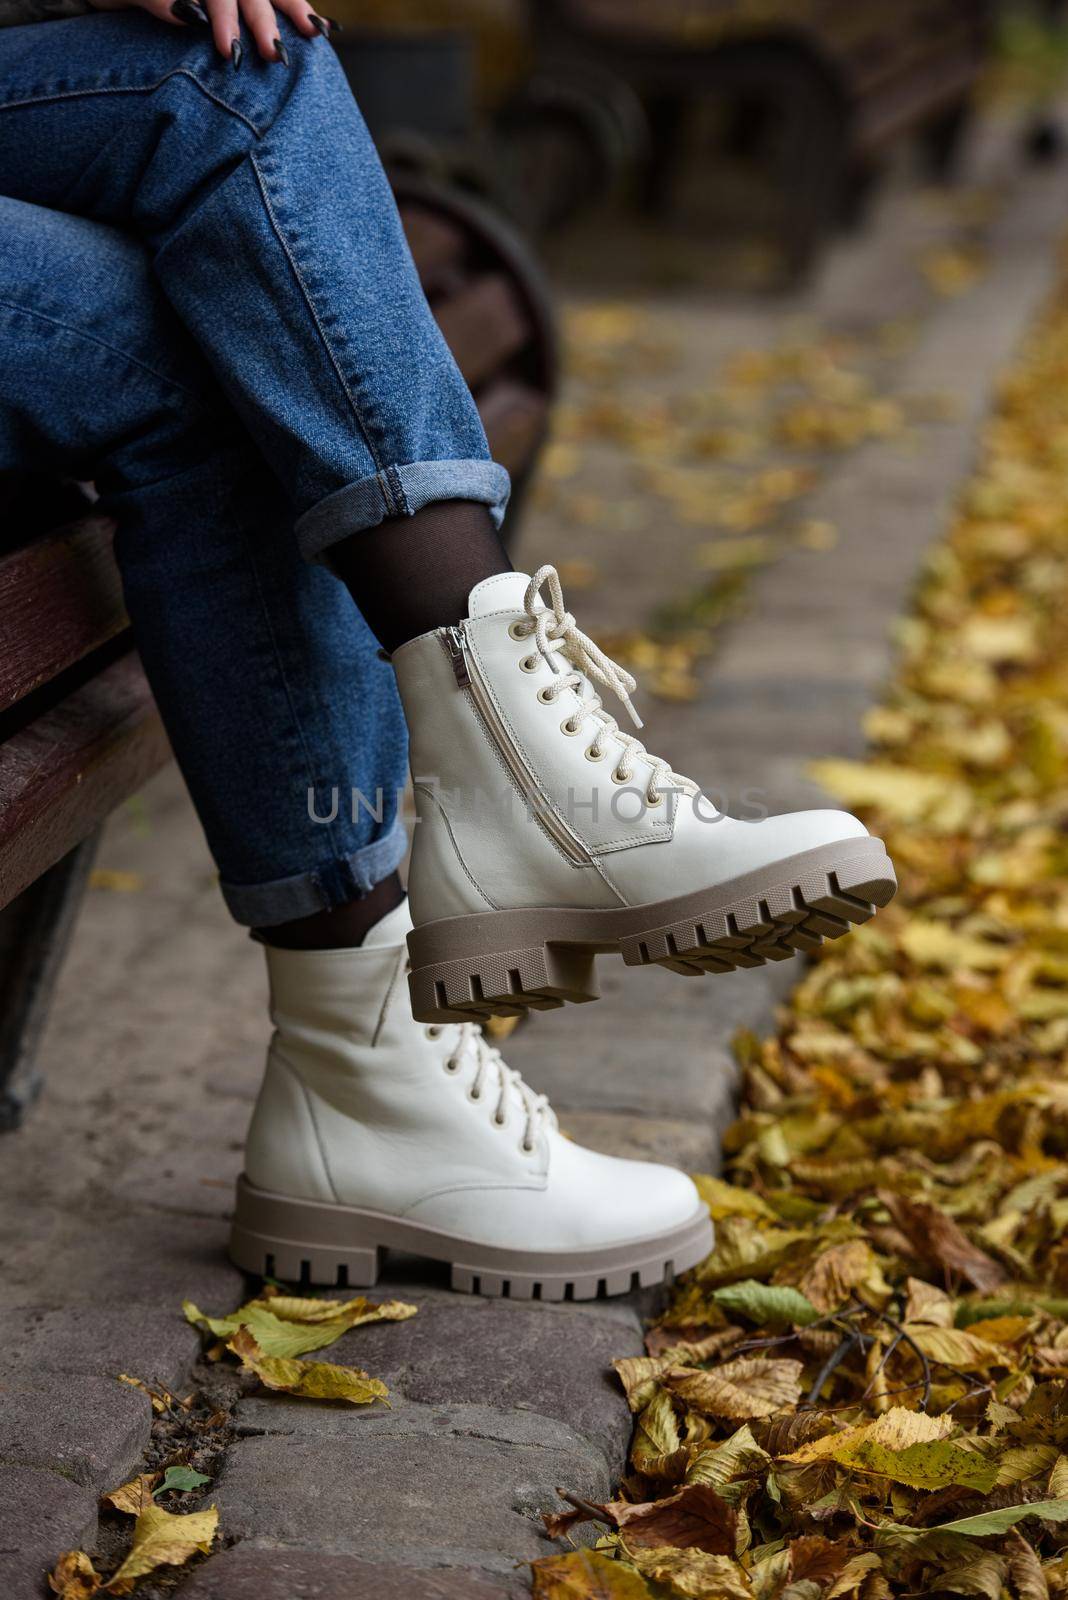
268	1335
863	1392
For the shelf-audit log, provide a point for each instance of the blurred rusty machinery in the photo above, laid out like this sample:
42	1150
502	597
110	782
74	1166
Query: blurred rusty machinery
821	87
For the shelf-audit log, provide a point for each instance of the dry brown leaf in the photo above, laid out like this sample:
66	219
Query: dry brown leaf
74	1577
1025	1569
696	1517
926	1302
935	1237
640	1376
691	1574
749	1387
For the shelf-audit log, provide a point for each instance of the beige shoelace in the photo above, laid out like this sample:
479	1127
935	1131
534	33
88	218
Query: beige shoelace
557	634
492	1072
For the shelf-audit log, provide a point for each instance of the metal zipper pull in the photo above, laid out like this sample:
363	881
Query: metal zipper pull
456	645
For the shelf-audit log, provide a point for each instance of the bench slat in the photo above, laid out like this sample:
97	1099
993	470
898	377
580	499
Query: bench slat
438	246
62	776
60	597
484	324
515	417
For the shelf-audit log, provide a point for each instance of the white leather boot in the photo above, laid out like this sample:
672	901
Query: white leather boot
374	1132
547	835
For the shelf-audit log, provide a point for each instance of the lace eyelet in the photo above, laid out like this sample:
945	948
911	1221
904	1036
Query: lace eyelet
434	1031
452	1066
519	630
547	695
653	799
530	664
499	1122
571	731
621	777
525	1148
593	754
474	1094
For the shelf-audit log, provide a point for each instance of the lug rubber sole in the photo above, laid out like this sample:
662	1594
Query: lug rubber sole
311	1242
504	963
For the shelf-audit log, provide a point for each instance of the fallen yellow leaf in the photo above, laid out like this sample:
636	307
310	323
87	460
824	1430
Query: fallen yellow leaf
134	1496
586	1575
290	1325
162	1539
311	1380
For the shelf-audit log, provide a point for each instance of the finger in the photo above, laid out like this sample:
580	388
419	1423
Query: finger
226	29
190	12
259	18
303	18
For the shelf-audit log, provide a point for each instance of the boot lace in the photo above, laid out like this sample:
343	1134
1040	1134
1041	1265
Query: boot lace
556	634
490	1074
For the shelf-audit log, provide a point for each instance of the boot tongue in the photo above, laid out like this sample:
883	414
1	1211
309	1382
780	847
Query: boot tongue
504	592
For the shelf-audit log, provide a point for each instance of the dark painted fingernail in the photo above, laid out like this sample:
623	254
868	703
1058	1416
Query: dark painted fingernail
320	23
335	27
189	11
236	53
283	53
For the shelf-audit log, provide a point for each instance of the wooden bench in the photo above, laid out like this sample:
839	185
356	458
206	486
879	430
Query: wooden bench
79	731
841	81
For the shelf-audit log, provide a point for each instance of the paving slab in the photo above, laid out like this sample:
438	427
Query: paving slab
251	1573
146	1338
41	1515
446	1501
506	1355
90	1430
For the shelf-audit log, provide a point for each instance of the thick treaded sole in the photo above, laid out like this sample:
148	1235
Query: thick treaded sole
309	1241
504	963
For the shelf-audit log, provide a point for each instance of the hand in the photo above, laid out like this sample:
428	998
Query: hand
224	18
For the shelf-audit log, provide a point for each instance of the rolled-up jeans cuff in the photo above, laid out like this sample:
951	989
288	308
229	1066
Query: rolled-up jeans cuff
331	883
400	492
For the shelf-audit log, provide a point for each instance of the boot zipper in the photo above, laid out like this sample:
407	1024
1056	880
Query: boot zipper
469	678
456	645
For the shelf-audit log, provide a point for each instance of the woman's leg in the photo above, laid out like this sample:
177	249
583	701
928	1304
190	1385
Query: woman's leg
370	1131
275	699
272	231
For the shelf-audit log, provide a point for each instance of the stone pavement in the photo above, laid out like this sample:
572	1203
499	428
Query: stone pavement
116	1193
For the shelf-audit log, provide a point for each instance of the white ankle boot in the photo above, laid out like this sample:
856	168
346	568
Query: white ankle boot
374	1132
547	835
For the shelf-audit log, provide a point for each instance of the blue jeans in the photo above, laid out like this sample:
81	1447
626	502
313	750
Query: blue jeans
208	307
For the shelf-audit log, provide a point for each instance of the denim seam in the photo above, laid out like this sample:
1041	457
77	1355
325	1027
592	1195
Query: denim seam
327	346
146	88
396	486
92	338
